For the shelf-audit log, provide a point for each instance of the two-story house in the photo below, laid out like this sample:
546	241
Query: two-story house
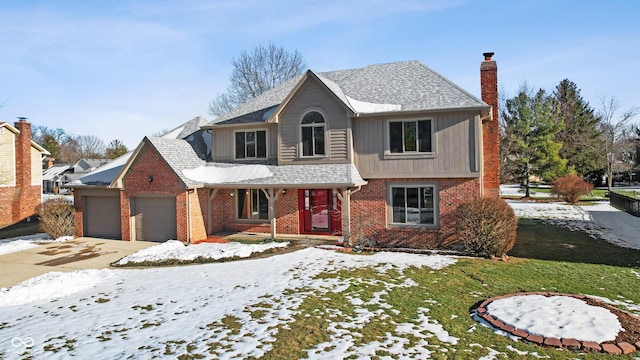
20	172
385	153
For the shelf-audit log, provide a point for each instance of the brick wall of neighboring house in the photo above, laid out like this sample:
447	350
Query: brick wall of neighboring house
20	202
78	216
490	128
369	214
165	182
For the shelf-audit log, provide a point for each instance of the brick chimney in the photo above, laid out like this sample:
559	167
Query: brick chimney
490	129
23	153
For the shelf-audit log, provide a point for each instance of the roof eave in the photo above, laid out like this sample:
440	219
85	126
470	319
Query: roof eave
286	186
413	112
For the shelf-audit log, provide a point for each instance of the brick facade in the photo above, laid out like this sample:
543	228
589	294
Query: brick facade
20	202
369	214
490	128
164	182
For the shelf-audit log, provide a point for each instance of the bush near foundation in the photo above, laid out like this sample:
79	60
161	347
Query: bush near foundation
56	217
570	188
487	227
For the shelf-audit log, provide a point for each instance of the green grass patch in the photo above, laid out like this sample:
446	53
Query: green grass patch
538	240
372	305
628	193
22	228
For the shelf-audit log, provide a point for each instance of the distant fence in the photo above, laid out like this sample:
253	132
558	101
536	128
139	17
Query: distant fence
629	204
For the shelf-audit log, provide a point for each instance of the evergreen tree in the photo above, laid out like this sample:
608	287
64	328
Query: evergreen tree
531	125
115	149
580	138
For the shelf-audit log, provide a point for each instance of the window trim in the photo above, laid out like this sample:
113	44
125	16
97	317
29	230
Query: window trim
237	217
414	184
325	134
266	144
411	154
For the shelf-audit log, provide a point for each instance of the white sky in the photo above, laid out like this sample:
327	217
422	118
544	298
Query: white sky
126	69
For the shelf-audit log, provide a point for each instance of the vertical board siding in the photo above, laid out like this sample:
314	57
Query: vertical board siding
223	147
7	158
453	140
36	167
314	96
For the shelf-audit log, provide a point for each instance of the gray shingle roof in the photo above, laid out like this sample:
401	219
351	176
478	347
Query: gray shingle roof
408	85
103	175
186	129
317	175
179	154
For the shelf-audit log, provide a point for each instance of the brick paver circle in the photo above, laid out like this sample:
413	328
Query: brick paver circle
573	344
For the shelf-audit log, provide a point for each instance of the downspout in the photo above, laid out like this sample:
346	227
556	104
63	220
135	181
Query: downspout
189	216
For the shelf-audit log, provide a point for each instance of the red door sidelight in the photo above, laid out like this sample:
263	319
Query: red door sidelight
320	212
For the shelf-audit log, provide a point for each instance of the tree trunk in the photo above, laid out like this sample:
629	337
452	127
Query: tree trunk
527	193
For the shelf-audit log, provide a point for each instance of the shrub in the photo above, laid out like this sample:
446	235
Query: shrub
487	227
570	188
56	217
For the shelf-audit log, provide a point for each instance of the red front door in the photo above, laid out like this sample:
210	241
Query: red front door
320	212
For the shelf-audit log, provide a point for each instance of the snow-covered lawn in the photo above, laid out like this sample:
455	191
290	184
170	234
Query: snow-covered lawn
177	250
237	309
117	313
20	243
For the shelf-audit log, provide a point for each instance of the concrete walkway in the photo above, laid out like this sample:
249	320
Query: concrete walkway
76	254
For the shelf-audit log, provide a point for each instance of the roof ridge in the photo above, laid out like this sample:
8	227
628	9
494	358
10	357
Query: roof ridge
450	82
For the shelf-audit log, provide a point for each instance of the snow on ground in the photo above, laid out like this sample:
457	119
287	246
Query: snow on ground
517	190
557	316
146	312
177	250
149	312
15	246
20	243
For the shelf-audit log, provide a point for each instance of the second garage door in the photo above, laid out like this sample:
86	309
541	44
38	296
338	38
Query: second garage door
154	218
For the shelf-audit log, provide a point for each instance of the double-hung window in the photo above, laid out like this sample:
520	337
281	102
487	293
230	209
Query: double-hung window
414	136
312	128
252	204
251	144
414	205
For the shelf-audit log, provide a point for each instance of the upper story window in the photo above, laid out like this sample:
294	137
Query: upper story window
312	128
414	136
251	144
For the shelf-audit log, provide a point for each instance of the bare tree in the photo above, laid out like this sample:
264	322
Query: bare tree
89	146
256	72
614	127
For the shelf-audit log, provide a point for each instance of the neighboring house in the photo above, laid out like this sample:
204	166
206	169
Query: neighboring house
384	153
20	173
58	175
52	178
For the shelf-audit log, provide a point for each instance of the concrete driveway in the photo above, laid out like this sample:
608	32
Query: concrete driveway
76	254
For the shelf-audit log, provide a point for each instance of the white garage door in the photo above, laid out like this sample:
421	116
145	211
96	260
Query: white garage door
154	218
102	217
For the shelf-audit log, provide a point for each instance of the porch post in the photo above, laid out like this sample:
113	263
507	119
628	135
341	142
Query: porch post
272	196
345	197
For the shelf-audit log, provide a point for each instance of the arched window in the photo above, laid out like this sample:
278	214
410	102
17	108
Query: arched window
312	127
